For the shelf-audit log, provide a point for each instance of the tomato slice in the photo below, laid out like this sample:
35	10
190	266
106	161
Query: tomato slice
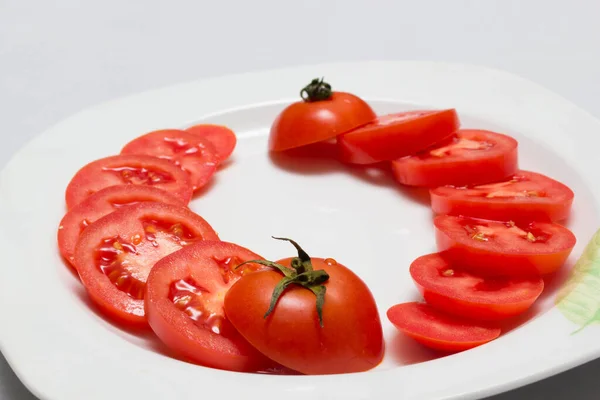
222	138
499	248
102	203
521	197
115	254
446	287
438	330
397	135
184	305
129	170
190	152
469	157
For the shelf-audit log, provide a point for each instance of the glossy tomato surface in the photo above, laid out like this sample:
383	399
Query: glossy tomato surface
222	138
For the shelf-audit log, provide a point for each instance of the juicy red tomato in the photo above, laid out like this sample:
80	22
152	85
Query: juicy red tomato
469	157
184	305
349	340
521	197
321	115
448	288
102	203
438	330
397	135
190	152
114	255
498	248
128	170
222	138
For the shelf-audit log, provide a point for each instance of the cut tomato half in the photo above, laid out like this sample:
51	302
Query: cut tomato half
114	255
469	157
222	138
503	248
524	196
128	170
438	330
397	135
448	288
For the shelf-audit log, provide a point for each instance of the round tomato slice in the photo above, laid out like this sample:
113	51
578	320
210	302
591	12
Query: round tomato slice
114	255
184	305
102	203
397	135
438	330
469	157
447	288
499	248
190	152
323	114
520	197
222	138
128	170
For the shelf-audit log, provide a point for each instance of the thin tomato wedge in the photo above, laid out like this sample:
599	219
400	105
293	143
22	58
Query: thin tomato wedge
520	197
446	287
222	138
184	305
102	203
397	135
503	248
128	170
438	330
469	157
190	152
114	255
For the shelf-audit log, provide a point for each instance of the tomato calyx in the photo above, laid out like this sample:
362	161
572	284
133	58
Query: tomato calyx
301	273
316	90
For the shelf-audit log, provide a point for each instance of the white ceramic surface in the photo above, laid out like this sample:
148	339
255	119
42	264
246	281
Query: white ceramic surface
359	218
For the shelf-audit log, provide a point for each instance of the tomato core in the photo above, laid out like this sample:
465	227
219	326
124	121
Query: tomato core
140	176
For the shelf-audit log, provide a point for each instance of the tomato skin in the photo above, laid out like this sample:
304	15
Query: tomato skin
222	138
446	288
438	330
303	122
351	339
512	258
461	166
390	137
472	202
198	343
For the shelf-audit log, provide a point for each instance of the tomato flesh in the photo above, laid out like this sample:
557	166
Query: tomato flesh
448	288
222	138
438	330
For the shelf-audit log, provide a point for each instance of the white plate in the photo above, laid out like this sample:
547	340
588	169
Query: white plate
63	350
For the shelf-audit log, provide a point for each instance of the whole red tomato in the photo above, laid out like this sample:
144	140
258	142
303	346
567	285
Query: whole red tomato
322	114
314	316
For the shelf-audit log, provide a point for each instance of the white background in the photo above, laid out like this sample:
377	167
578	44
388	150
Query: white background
60	56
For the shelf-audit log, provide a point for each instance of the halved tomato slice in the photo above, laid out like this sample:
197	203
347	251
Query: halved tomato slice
102	203
190	152
114	255
222	138
448	288
438	330
128	170
469	157
184	305
520	197
503	248
397	135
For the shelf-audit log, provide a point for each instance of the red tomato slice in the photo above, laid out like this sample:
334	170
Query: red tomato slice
397	135
470	157
222	138
114	255
438	330
184	305
129	170
497	248
103	203
524	196
452	290
190	152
